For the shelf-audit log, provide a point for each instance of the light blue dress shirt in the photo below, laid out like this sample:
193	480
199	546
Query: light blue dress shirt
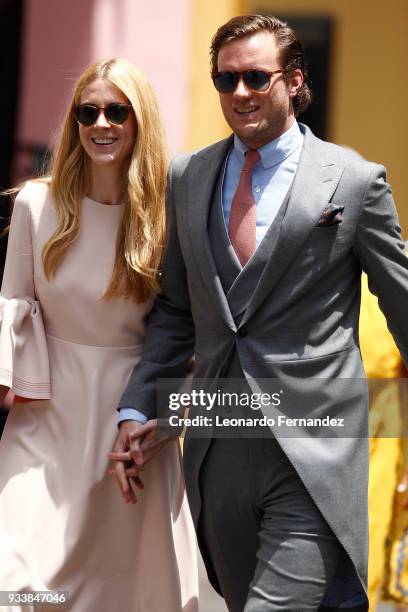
272	177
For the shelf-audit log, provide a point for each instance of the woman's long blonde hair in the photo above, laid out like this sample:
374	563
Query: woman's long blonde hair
141	234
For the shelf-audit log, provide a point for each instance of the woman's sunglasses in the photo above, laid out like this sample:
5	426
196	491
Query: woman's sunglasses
258	80
87	114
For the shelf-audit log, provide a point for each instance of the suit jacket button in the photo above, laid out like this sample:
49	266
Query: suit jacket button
242	333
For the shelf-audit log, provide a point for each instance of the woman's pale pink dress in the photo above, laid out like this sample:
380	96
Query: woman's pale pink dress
63	523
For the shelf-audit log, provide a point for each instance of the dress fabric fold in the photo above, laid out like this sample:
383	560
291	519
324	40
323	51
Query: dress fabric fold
24	363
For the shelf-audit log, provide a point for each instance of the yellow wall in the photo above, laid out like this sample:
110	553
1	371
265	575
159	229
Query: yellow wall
369	85
206	123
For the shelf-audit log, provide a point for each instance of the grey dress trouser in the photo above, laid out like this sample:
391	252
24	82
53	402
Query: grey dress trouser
265	543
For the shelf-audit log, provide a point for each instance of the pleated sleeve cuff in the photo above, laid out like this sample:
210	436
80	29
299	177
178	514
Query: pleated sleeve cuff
24	365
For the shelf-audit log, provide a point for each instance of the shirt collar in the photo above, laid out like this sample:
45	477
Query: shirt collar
275	151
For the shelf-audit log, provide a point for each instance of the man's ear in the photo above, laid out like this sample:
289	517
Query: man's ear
295	82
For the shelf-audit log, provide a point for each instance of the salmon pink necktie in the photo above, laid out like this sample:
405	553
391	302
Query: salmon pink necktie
242	221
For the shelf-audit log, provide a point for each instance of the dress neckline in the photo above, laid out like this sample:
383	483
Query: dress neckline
89	200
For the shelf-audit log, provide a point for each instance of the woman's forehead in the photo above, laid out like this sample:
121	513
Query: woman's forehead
102	89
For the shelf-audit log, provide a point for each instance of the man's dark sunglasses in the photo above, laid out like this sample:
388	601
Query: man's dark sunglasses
258	80
87	114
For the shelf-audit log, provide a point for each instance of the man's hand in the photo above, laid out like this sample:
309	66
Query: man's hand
123	460
152	443
135	446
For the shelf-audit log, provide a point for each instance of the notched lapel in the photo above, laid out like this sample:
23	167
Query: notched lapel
203	171
313	187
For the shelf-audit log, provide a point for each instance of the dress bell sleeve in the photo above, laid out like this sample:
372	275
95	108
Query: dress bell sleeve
24	365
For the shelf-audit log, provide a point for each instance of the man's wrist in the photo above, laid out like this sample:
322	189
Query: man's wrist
131	414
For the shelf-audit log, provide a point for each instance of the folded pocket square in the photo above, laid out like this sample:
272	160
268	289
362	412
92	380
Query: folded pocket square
332	215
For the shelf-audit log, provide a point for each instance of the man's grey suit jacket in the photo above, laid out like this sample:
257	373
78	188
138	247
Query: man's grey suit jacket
298	323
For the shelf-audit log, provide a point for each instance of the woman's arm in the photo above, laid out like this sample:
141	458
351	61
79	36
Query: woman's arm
24	363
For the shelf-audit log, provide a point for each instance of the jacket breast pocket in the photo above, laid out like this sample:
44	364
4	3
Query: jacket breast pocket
324	245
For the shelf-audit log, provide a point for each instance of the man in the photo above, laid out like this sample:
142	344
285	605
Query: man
268	233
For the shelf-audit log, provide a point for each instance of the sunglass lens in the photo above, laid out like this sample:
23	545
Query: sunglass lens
86	114
257	79
225	82
117	113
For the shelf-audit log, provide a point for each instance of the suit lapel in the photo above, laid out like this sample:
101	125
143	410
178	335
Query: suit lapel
202	180
313	187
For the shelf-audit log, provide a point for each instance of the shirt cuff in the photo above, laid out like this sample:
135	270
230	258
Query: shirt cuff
131	414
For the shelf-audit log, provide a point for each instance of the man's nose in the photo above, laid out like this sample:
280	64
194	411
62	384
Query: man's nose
241	89
101	120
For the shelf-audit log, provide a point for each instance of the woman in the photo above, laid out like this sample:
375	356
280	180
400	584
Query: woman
387	490
84	249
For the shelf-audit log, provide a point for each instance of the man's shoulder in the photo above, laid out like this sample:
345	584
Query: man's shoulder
330	152
181	161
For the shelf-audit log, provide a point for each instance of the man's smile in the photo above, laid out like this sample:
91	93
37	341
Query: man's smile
247	111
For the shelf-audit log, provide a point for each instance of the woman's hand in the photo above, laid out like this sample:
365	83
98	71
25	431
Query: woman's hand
3	392
135	446
122	459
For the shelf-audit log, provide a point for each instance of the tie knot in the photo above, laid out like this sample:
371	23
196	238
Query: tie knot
251	158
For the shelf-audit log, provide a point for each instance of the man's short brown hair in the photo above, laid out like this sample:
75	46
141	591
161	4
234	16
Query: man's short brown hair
290	46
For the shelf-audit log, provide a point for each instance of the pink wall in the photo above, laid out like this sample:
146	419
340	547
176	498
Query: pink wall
56	46
155	36
62	36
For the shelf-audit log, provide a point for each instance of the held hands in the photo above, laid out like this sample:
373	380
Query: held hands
135	446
